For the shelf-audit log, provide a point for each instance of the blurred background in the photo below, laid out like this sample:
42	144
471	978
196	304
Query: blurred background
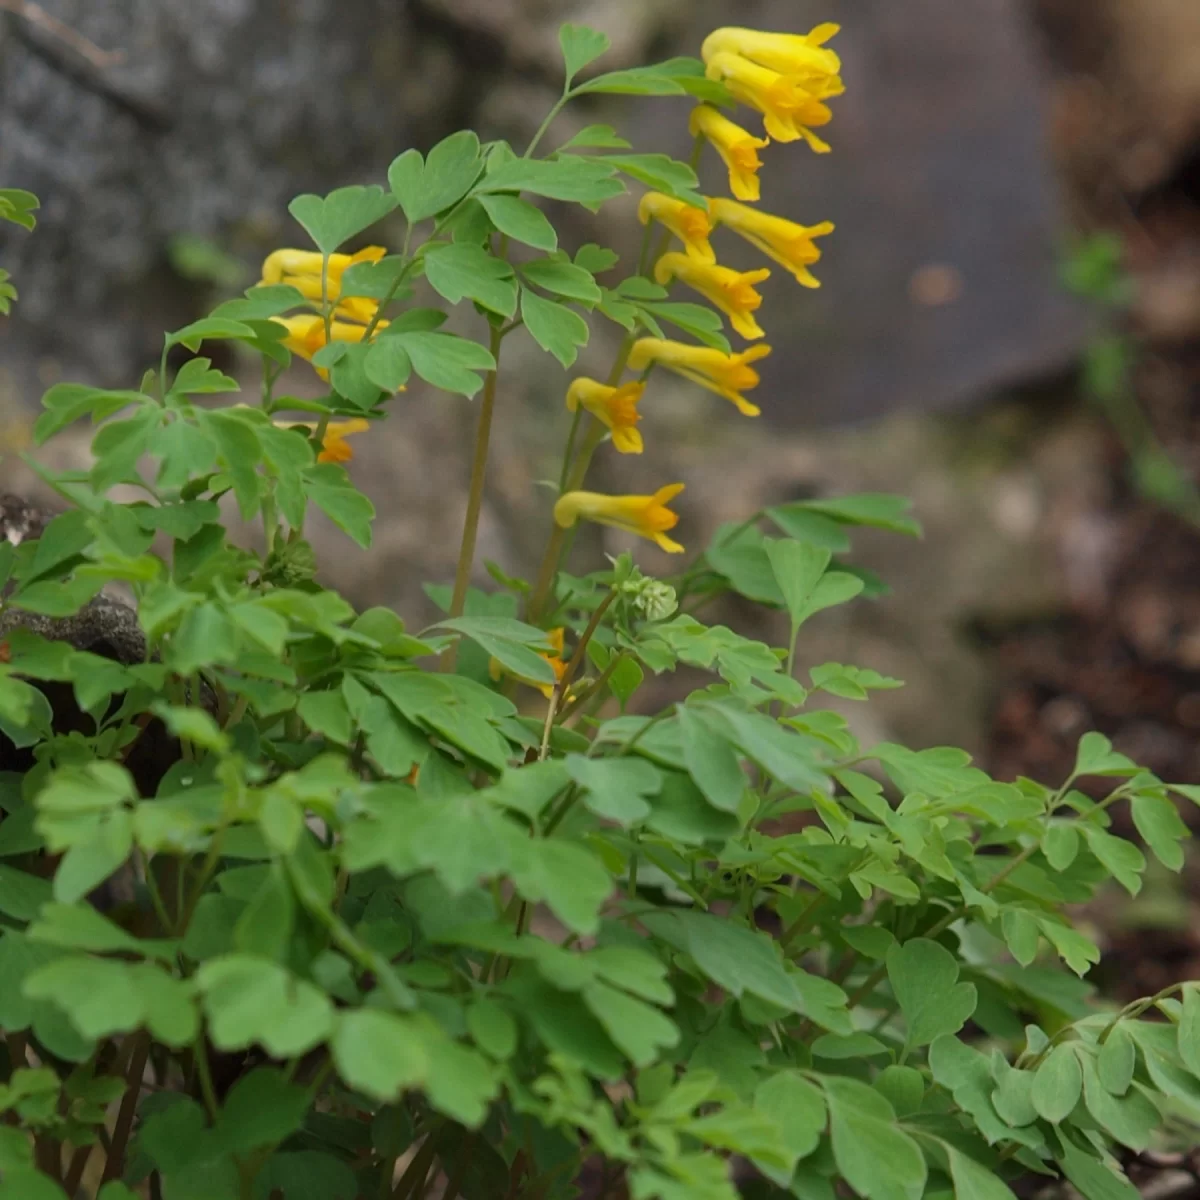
1008	332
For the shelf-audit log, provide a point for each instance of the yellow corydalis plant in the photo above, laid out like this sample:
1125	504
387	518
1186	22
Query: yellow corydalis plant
803	55
737	147
613	407
691	225
306	335
730	291
646	516
788	243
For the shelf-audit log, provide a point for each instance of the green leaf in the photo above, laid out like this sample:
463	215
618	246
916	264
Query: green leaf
568	878
328	486
28	1184
1021	935
378	1053
732	956
326	713
874	1156
598	136
631	83
1159	823
265	926
584	181
430	186
1096	756
510	642
562	279
904	1088
1188	1032
1116	1061
211	329
1079	952
1130	1119
1060	844
334	219
447	361
796	1107
660	172
249	1000
640	1031
616	789
261	1109
18	206
972	1180
710	759
557	329
492	1028
1057	1084
797	567
1122	859
580	46
88	864
21	894
875	509
81	927
459	271
520	220
1012	1097
1094	1180
967	1075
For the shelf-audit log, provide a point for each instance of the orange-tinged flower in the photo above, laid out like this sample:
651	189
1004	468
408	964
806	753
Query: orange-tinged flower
615	407
334	447
688	223
646	516
788	243
728	375
788	53
737	147
731	291
789	111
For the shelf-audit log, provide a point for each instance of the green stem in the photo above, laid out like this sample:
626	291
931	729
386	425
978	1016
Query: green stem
566	462
204	1073
594	688
559	105
483	433
390	294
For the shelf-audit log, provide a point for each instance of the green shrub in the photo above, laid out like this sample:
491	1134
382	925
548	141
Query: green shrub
298	902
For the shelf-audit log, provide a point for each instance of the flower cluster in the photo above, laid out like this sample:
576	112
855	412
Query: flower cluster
787	78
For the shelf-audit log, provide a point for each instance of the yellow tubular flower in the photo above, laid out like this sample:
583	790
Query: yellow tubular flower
737	147
789	244
308	262
788	110
688	223
615	407
728	375
731	291
647	516
787	53
301	269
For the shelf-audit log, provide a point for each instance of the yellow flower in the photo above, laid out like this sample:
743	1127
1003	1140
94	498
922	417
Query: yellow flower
788	53
737	147
789	244
301	269
647	516
728	375
731	291
688	223
306	335
557	663
334	447
283	263
788	109
615	407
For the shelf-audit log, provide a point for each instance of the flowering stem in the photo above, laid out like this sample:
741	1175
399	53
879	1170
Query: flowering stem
483	433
